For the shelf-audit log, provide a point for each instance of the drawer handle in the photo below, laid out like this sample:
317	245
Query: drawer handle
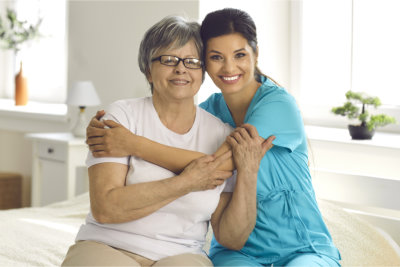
50	150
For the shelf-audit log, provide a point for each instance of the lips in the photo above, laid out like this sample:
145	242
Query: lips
230	79
179	82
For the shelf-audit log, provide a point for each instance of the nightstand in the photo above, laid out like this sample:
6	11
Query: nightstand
58	167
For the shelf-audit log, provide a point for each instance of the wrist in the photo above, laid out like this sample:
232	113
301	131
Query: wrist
184	182
136	145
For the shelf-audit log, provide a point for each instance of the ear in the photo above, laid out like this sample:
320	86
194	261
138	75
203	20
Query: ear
149	78
256	55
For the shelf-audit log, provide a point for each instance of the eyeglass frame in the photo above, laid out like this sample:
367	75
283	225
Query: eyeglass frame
179	61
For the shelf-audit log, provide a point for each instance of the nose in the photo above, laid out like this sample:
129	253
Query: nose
180	68
229	65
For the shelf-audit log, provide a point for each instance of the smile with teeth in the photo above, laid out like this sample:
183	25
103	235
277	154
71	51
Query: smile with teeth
179	82
230	78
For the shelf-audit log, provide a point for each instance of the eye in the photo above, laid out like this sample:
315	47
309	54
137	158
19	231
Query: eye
240	55
216	57
193	63
168	60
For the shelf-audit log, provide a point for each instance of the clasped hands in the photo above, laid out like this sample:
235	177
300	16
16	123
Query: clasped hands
107	138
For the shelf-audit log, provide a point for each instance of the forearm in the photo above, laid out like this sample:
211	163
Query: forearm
125	203
231	232
171	158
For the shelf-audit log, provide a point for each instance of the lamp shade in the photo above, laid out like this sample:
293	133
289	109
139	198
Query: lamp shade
83	93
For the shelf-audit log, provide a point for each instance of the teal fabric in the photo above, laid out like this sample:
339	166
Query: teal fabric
288	218
236	258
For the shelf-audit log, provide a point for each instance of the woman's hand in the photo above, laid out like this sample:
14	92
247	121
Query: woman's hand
108	138
202	173
248	147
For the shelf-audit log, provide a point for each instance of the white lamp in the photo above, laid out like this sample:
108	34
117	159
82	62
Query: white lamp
82	94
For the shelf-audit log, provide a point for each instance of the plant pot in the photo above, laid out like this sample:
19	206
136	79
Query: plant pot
359	132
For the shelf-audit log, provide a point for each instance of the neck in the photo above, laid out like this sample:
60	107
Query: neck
239	102
177	116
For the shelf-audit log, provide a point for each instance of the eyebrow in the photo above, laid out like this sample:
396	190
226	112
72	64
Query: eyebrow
238	50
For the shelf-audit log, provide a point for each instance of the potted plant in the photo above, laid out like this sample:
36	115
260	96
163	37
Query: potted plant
14	34
368	122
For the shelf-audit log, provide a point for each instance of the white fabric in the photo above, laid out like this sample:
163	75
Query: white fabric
181	226
41	236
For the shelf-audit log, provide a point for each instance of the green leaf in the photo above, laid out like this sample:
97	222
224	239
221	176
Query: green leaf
16	32
352	111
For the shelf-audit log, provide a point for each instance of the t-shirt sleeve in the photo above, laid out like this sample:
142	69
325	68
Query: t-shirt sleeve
279	117
117	113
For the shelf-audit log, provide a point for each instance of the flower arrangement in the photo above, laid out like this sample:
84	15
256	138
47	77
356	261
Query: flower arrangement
14	33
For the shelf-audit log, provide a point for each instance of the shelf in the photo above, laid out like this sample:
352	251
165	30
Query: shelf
339	135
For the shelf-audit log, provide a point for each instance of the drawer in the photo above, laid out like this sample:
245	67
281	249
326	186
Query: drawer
52	151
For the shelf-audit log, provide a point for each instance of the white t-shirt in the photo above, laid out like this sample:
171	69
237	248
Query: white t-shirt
181	226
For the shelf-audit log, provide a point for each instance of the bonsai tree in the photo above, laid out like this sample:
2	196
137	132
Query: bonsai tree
14	32
352	110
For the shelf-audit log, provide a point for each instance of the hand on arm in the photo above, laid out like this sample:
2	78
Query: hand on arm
248	150
117	141
109	139
113	202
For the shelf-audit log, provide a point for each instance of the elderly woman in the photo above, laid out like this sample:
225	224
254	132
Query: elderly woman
142	214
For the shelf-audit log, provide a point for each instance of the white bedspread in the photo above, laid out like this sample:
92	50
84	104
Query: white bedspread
359	243
41	236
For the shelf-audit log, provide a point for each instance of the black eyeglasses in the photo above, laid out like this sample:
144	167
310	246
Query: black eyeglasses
190	63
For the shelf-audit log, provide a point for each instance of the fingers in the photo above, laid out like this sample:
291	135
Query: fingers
95	140
95	122
94	132
111	123
240	134
99	114
267	144
252	130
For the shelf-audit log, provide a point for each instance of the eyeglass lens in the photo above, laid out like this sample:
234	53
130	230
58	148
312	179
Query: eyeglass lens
191	63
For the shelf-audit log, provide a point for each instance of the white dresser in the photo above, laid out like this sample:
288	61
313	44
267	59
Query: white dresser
58	167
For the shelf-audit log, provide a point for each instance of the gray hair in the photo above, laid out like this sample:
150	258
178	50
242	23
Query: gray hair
171	32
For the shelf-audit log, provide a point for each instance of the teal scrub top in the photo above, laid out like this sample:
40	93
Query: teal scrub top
288	218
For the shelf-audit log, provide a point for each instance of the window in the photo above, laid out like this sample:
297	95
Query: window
348	45
44	61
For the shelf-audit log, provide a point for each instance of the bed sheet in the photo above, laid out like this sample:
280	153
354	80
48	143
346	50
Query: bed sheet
41	236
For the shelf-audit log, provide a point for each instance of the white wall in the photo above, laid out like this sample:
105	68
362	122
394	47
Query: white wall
104	37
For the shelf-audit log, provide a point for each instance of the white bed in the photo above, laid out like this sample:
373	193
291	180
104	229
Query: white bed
41	236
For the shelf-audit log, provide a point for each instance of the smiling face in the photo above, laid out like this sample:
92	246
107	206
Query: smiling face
175	83
231	62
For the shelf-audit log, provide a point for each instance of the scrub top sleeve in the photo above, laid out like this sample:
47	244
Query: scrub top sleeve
280	118
115	112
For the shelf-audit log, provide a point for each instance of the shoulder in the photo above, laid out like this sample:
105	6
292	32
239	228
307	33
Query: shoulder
210	119
125	110
273	98
130	103
212	101
271	92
